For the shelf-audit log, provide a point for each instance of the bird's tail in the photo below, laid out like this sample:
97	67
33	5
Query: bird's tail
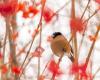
71	57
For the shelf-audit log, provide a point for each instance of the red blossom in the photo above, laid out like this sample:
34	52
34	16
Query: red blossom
4	69
74	69
21	7
33	10
16	70
54	68
38	52
39	49
98	1
83	75
8	8
48	14
77	25
26	14
82	67
81	70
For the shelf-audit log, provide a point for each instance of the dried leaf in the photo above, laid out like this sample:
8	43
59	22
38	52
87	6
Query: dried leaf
41	77
92	37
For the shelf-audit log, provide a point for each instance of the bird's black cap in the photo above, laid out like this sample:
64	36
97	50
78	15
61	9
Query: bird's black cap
55	34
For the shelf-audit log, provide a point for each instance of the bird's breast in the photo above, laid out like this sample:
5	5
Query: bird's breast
60	45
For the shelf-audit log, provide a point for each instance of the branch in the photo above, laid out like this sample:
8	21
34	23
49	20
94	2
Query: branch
96	72
92	46
85	8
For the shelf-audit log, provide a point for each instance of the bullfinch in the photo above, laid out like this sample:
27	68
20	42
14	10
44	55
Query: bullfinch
60	46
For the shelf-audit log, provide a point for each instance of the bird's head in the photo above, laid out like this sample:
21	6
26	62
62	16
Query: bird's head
55	34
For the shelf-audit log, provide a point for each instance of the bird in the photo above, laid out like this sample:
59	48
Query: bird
60	46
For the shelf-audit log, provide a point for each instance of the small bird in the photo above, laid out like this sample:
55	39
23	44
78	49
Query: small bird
60	46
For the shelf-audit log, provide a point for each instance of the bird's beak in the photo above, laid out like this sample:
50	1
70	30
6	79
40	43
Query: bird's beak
50	38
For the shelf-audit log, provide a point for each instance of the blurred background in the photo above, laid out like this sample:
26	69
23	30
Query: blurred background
56	18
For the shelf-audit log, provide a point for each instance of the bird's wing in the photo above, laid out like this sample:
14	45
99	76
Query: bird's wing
60	45
57	46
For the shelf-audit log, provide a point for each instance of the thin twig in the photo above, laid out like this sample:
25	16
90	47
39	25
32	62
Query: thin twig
11	45
86	22
71	38
46	66
23	69
40	25
91	48
18	54
27	54
4	45
98	70
96	11
85	8
62	7
82	39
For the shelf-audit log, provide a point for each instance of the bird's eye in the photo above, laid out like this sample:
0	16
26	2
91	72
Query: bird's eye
64	49
53	36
